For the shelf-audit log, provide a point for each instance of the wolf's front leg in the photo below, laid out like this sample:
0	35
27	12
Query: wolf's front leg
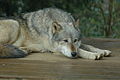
96	50
89	55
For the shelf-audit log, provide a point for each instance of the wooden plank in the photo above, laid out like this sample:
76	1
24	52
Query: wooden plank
62	68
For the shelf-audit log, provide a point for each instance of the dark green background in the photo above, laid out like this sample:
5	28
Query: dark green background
98	18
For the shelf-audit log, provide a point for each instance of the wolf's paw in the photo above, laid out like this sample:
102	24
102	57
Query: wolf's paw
95	56
105	53
26	50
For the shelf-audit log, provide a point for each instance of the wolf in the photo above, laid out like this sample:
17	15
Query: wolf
46	30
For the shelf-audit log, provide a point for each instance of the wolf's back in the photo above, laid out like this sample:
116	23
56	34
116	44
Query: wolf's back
41	20
10	51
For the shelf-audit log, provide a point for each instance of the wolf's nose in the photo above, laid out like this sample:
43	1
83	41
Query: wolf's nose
73	54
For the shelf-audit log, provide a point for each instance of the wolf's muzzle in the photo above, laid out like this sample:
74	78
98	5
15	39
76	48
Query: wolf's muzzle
74	54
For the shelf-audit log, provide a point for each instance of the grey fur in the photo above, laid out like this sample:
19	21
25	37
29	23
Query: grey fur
50	29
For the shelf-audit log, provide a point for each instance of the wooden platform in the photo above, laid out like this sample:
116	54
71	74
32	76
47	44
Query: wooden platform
57	67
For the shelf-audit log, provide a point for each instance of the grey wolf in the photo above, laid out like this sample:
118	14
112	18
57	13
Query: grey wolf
50	29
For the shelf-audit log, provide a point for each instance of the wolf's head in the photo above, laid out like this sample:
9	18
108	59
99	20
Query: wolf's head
66	37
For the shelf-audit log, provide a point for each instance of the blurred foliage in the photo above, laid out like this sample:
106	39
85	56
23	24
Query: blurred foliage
98	18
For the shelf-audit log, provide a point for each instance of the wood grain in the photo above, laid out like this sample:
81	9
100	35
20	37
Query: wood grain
57	67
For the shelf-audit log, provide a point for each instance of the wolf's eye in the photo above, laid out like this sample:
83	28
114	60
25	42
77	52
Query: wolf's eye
65	40
75	40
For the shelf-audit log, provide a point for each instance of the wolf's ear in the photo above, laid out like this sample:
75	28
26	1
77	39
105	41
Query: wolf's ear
77	23
56	27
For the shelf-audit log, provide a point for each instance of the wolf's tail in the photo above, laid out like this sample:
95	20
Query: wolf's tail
10	51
